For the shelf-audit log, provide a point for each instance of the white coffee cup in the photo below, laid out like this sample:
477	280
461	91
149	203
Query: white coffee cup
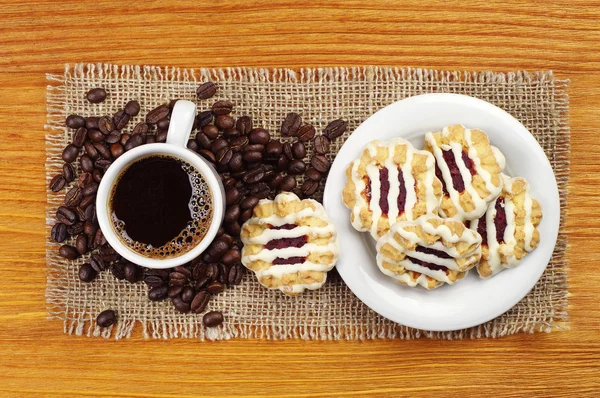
180	127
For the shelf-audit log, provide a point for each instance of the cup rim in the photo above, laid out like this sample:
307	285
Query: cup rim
116	169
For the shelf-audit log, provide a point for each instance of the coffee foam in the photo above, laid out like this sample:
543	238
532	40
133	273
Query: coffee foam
201	208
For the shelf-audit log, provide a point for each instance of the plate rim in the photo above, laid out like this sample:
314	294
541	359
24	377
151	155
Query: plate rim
374	303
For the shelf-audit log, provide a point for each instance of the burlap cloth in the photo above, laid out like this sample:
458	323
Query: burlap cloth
538	100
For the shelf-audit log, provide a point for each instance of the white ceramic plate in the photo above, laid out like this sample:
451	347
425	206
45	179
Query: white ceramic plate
471	301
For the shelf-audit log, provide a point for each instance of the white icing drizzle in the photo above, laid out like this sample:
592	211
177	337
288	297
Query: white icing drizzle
373	172
267	235
479	202
405	278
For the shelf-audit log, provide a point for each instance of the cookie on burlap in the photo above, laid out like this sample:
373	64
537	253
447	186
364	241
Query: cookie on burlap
428	251
469	168
390	182
508	228
289	243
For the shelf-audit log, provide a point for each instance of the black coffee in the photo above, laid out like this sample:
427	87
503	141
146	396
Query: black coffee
161	206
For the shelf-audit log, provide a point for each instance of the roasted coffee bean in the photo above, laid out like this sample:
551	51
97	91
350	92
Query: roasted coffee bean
254	148
141	128
306	132
225	237
91	122
132	108
90	228
249	202
86	162
102	150
81	214
66	216
73	197
124	138
233	228
203	119
102	164
90	150
276	181
90	213
175	290
80	136
161	136
254	176
296	167
157	113
231	133
198	271
95	135
224	122
212	319
236	272
57	183
118	270
163	124
231	256
200	302
222	277
335	129
96	95
154	280
90	189
237	174
287	151
177	278
150	139
252	156
187	294
239	143
291	124
320	163
206	90
180	305
74	121
97	262
106	318
244	125
273	149
232	214
212	272
134	141
309	187
76	228
116	150
106	125
218	144
228	182
215	288
211	131
97	174
208	155
232	195
59	232
99	239
245	215
201	283
183	270
217	249
121	119
70	153
87	201
288	183
81	244
298	150
158	293
84	179
203	141
132	272
313	174
321	145
259	136
69	252
224	155
87	273
222	108
113	137
192	145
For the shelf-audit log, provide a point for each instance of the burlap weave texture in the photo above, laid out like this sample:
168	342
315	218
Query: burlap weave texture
538	100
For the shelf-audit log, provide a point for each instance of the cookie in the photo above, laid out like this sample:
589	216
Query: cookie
390	182
430	249
289	244
508	228
469	168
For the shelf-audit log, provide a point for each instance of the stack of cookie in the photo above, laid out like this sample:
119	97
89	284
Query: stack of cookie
438	212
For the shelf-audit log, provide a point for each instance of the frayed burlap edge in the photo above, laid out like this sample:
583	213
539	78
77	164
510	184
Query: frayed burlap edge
69	300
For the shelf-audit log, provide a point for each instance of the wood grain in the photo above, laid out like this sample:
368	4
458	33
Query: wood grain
36	359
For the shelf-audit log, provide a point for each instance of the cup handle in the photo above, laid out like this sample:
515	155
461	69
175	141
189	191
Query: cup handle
182	121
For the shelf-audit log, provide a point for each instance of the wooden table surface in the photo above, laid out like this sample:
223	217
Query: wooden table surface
37	359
